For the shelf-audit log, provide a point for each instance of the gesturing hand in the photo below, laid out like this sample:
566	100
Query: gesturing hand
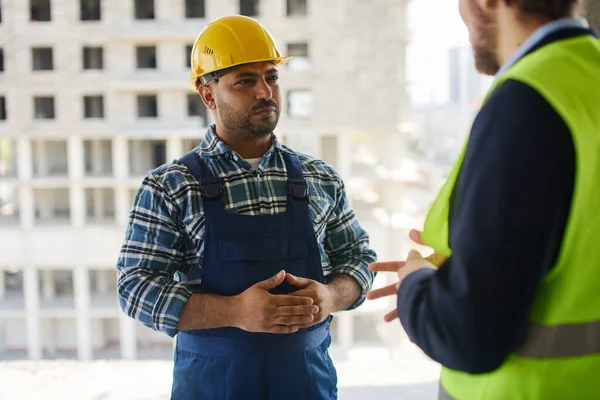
413	262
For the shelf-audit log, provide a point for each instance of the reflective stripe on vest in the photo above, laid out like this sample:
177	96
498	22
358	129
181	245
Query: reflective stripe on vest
561	341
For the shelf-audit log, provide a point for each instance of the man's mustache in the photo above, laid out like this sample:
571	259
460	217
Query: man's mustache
265	104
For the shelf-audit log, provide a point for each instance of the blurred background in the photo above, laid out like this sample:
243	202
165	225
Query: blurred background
94	94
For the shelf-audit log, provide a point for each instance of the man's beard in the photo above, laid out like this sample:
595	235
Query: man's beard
242	124
484	41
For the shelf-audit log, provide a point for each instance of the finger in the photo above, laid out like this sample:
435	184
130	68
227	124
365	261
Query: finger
296	310
273	281
392	315
388	266
382	292
294	319
416	236
282	329
318	319
297	281
308	325
414	255
307	292
291	300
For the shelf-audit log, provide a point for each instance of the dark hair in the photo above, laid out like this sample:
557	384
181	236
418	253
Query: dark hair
550	9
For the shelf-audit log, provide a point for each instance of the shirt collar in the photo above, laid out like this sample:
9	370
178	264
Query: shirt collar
212	146
539	35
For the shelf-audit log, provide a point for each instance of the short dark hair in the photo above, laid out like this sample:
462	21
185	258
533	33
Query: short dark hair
550	9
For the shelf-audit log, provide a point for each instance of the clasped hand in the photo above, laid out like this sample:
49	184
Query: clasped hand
257	310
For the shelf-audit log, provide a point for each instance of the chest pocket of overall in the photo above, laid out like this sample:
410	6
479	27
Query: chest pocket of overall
269	247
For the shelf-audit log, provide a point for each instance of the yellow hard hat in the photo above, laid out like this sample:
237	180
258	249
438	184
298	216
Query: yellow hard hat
228	42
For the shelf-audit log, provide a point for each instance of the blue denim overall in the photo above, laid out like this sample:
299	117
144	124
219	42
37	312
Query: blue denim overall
239	251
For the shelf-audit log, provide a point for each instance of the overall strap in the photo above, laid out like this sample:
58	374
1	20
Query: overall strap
211	187
297	187
297	202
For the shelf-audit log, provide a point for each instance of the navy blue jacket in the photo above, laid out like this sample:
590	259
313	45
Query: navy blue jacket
508	215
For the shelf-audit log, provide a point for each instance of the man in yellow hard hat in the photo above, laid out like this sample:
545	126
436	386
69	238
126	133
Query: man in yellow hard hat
513	311
262	239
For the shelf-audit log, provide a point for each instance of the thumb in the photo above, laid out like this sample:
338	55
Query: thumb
272	282
414	255
297	281
416	236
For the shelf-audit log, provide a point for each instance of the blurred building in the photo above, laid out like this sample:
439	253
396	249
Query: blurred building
442	128
94	94
467	86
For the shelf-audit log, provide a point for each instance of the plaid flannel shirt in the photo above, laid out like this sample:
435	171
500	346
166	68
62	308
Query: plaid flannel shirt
167	210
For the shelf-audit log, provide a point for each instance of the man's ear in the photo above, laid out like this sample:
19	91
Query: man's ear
207	95
487	4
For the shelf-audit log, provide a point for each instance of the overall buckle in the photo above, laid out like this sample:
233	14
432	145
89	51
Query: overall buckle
298	189
211	189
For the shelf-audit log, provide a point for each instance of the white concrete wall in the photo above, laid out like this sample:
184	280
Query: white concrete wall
12	334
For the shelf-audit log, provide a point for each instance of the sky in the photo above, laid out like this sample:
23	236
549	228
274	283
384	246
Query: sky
431	38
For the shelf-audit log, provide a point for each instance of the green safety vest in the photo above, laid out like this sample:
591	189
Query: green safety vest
561	356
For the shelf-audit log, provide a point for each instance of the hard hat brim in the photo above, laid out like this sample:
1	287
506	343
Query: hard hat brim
278	62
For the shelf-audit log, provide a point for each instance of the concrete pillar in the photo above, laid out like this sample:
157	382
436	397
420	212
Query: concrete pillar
222	7
120	158
30	288
75	156
82	305
174	148
26	207
77	205
127	337
48	288
24	159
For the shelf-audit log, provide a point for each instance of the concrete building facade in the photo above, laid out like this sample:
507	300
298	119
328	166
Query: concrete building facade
94	94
